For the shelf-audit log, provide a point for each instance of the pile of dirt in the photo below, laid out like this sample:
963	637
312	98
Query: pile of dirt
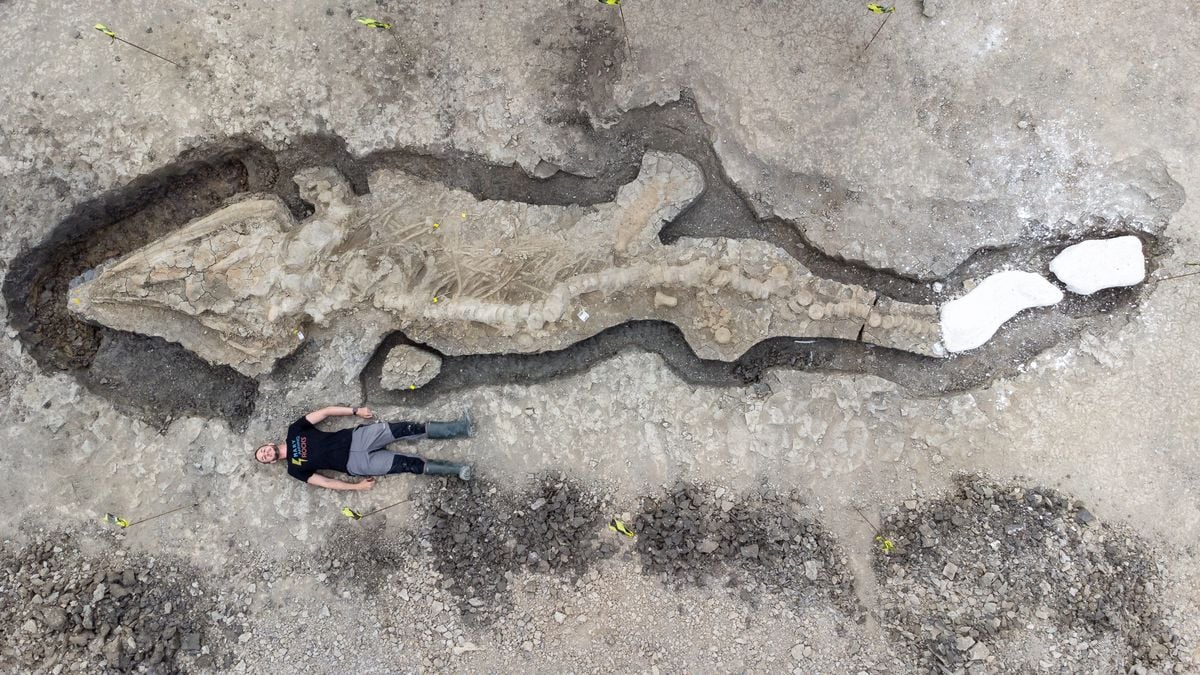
482	535
61	609
998	575
694	534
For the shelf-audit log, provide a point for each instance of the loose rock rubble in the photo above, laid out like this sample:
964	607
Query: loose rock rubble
482	536
695	533
64	611
979	577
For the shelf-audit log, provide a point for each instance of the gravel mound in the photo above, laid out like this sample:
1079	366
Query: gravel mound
1002	577
480	535
63	610
695	533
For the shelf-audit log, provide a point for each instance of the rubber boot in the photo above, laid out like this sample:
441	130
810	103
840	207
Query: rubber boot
435	468
459	428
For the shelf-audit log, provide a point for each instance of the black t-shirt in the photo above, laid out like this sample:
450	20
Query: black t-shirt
309	449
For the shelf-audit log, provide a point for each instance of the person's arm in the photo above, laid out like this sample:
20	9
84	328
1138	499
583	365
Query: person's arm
335	484
318	416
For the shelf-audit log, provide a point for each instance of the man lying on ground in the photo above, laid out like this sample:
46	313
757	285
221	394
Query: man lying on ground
360	451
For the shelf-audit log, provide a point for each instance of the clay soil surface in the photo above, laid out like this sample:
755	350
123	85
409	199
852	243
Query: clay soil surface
813	506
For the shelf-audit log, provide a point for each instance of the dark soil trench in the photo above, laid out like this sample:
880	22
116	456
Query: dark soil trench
161	380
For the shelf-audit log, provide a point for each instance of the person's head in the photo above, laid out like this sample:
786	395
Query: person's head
268	453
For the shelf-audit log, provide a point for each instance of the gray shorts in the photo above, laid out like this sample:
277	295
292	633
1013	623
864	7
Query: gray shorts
367	454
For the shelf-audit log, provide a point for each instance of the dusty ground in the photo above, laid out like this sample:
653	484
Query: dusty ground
1005	126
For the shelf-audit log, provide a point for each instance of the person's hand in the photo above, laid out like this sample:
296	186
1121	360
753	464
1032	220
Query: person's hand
365	413
366	484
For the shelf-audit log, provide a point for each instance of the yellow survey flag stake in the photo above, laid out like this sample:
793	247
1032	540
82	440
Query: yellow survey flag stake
379	25
355	515
116	520
878	9
123	523
624	28
1177	276
886	545
619	526
105	29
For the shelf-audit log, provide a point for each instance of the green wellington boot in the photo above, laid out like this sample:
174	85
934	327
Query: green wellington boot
436	468
459	428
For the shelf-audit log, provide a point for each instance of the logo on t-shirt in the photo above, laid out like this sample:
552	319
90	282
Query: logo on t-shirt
299	450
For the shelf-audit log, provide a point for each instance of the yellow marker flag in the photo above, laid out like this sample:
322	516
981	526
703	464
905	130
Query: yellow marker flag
104	29
372	23
116	520
610	2
880	9
351	513
620	526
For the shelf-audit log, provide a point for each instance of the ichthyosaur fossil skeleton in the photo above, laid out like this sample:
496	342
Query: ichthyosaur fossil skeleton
238	286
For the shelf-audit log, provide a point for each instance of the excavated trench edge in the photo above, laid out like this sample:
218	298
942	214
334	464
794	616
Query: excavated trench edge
143	374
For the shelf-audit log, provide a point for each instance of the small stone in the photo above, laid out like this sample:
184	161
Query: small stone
559	617
80	639
54	617
190	642
798	652
950	571
1023	124
980	652
324	613
964	643
726	506
1084	517
707	546
112	652
812	568
722	335
750	551
537	504
663	300
30	626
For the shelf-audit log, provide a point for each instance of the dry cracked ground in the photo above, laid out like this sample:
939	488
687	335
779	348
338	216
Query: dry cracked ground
812	486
